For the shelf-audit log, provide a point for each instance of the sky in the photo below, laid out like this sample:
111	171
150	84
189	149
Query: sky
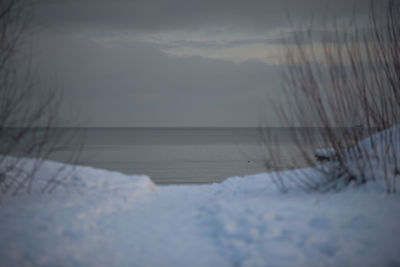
171	63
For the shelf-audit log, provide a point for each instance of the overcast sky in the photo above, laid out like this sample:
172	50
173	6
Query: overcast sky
170	62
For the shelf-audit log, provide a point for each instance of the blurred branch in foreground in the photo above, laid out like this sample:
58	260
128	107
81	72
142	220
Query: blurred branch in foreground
28	112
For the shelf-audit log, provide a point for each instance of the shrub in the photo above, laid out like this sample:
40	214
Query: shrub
345	80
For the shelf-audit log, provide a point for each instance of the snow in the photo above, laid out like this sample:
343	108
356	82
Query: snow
111	219
375	158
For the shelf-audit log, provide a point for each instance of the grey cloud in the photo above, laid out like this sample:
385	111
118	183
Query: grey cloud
125	82
156	15
137	85
219	44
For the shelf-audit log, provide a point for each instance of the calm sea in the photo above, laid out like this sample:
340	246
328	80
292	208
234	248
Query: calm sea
181	155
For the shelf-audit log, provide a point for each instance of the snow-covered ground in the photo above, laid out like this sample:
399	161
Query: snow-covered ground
118	220
111	219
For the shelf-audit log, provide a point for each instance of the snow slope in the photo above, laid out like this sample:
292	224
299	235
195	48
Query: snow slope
375	158
111	219
127	221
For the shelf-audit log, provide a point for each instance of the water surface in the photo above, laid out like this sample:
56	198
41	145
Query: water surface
182	155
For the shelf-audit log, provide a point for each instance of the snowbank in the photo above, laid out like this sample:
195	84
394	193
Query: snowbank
126	221
375	158
110	219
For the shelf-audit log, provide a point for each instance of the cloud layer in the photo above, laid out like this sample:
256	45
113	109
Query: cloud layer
171	63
